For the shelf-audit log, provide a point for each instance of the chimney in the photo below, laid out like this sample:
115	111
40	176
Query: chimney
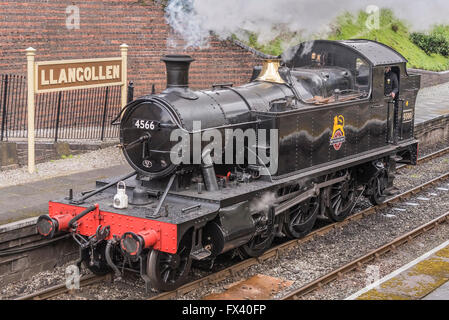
177	67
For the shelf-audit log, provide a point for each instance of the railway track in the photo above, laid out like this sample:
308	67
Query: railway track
54	291
428	157
296	294
273	252
277	250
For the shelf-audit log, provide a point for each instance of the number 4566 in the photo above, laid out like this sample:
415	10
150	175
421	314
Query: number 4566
145	124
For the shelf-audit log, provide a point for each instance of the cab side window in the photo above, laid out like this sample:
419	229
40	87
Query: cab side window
362	73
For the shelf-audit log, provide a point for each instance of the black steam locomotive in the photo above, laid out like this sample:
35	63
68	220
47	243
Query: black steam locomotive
231	168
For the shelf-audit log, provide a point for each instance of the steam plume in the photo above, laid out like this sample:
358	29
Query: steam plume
193	20
263	203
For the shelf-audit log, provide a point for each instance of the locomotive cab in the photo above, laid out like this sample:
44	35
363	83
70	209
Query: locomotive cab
329	71
358	68
400	111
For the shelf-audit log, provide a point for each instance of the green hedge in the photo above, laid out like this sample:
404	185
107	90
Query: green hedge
433	43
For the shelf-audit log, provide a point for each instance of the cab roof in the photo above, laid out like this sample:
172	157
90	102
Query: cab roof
377	54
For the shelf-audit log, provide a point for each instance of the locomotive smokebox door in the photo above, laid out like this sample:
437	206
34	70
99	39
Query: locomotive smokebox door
145	136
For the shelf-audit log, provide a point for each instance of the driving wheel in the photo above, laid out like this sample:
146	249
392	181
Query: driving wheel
341	198
301	218
169	271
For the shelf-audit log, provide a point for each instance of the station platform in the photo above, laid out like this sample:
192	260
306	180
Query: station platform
426	278
432	103
31	199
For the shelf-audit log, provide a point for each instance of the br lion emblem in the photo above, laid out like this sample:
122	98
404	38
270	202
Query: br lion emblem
338	134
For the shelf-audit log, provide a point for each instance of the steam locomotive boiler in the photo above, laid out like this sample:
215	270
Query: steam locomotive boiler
231	168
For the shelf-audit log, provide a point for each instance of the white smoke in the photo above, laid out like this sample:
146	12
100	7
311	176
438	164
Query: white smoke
184	19
263	203
194	20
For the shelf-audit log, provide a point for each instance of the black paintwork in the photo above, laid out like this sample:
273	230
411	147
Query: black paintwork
307	130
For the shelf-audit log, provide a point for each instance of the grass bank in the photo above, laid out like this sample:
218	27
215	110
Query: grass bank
392	31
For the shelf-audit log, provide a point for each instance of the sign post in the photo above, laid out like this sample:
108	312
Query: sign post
124	51
51	76
30	53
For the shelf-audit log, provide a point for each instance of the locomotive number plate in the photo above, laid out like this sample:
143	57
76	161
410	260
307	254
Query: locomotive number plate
407	116
146	124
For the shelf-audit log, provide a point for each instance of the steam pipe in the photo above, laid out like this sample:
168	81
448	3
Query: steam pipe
109	261
209	177
167	189
90	194
82	214
142	139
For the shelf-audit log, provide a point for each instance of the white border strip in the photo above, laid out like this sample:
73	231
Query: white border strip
18	224
397	272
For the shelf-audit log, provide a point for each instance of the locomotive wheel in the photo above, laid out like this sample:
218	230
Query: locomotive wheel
301	218
169	271
100	266
379	185
260	242
341	199
257	245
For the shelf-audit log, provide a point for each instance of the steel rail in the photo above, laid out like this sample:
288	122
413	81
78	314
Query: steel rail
428	157
356	264
277	250
59	289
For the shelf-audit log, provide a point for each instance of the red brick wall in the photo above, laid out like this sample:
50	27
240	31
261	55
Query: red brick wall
104	25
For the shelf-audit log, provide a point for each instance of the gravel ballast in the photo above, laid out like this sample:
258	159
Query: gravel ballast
386	264
313	258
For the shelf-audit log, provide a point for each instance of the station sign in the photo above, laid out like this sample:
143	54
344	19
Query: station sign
61	75
77	74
